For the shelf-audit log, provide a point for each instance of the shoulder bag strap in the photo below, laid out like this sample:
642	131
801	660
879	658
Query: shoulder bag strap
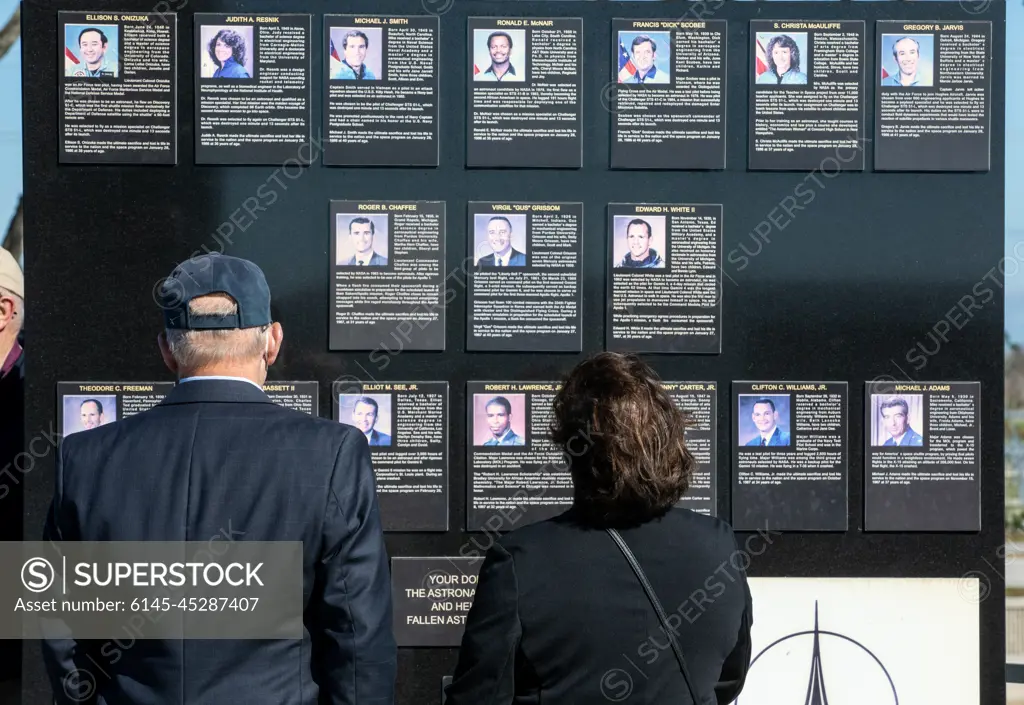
657	608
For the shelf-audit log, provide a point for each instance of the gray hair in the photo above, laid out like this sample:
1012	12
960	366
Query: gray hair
193	349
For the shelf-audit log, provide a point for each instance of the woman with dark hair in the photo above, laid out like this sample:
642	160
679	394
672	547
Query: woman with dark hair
227	49
626	597
783	56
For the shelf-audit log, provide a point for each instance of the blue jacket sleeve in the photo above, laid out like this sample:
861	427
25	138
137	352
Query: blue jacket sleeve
351	609
485	674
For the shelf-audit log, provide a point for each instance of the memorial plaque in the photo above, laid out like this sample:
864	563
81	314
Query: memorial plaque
668	110
388	274
86	405
380	90
790	458
922	456
300	396
118	87
517	476
431	598
252	89
406	427
524	106
933	96
665	278
524	292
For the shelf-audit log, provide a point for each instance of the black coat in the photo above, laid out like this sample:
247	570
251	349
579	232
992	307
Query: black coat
559	618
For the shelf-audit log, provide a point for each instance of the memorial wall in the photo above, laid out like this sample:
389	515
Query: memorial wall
792	210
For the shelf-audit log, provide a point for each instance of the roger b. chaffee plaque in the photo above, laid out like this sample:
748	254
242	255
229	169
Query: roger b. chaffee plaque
380	90
387	284
118	87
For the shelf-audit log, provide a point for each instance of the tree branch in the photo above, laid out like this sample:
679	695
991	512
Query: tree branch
10	33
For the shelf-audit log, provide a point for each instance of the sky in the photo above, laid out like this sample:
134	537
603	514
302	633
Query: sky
10	124
1014	171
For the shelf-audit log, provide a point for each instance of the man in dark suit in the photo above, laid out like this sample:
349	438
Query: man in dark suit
499	236
499	422
766	418
218	457
364	417
361	231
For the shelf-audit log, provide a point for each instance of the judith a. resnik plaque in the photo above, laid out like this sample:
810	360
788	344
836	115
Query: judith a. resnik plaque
252	89
118	91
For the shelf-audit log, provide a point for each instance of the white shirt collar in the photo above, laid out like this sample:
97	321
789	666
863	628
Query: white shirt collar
200	378
768	435
899	438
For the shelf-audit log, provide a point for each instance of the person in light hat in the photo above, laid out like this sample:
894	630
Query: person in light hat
12	313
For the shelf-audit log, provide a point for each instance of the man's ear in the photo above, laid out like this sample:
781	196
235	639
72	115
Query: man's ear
165	353
276	338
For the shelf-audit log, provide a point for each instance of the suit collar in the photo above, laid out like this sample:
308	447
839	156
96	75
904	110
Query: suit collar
216	390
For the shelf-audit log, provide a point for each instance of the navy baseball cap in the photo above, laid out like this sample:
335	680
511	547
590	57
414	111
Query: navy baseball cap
215	274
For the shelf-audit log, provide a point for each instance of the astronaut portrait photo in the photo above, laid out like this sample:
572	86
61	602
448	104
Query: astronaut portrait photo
906	60
82	412
370	413
638	242
897	420
361	239
499	420
781	59
91	51
499	240
645	58
355	54
764	420
226	52
499	55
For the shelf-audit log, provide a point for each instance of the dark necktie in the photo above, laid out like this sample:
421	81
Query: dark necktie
762	441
